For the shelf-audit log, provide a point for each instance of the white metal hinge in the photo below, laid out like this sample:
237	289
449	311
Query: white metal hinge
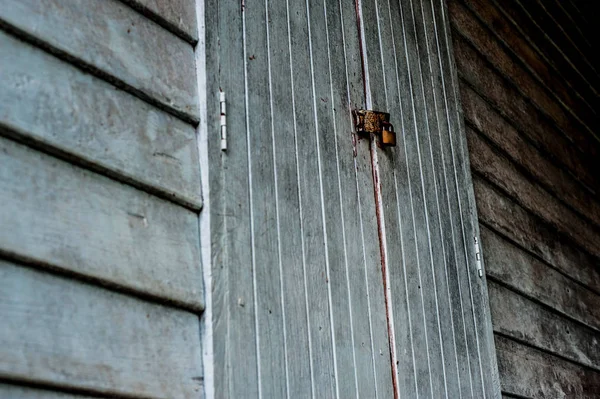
223	122
478	258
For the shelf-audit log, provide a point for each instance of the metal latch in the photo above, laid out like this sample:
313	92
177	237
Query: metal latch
478	258
376	122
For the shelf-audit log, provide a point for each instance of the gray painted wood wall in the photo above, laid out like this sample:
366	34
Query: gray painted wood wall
529	86
302	209
100	274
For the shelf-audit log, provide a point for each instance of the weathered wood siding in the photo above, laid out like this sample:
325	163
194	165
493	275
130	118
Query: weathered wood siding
529	87
301	306
440	318
100	274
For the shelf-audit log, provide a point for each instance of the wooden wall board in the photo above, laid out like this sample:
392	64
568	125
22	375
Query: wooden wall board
62	217
115	42
48	103
61	332
179	16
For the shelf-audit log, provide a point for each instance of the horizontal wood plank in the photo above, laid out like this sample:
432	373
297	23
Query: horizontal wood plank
524	23
66	333
523	272
480	116
112	40
179	16
504	174
528	120
512	221
467	25
503	29
531	373
24	392
49	102
521	319
57	215
551	33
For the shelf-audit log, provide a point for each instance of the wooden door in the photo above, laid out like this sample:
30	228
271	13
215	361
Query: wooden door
323	283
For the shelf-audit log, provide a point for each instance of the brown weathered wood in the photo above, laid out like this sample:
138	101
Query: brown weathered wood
503	174
467	25
526	118
178	16
535	62
481	117
53	105
66	333
584	82
512	221
523	320
523	272
540	25
59	216
115	42
531	373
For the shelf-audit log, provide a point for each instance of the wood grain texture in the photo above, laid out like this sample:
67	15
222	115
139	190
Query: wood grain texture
427	217
541	21
234	345
59	216
481	117
584	82
51	104
539	327
501	26
20	392
528	275
505	175
66	333
507	100
179	16
531	373
512	221
568	121
115	42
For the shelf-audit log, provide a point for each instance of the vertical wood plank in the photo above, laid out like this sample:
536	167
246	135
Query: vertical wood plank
297	366
264	215
315	257
235	352
478	287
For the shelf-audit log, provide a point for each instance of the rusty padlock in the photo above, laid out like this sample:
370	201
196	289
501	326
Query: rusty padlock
376	122
388	135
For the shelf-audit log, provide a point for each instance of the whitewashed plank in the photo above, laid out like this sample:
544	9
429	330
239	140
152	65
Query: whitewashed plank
297	375
404	299
20	392
234	334
74	335
467	206
60	108
264	205
59	216
365	279
113	41
179	16
315	256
